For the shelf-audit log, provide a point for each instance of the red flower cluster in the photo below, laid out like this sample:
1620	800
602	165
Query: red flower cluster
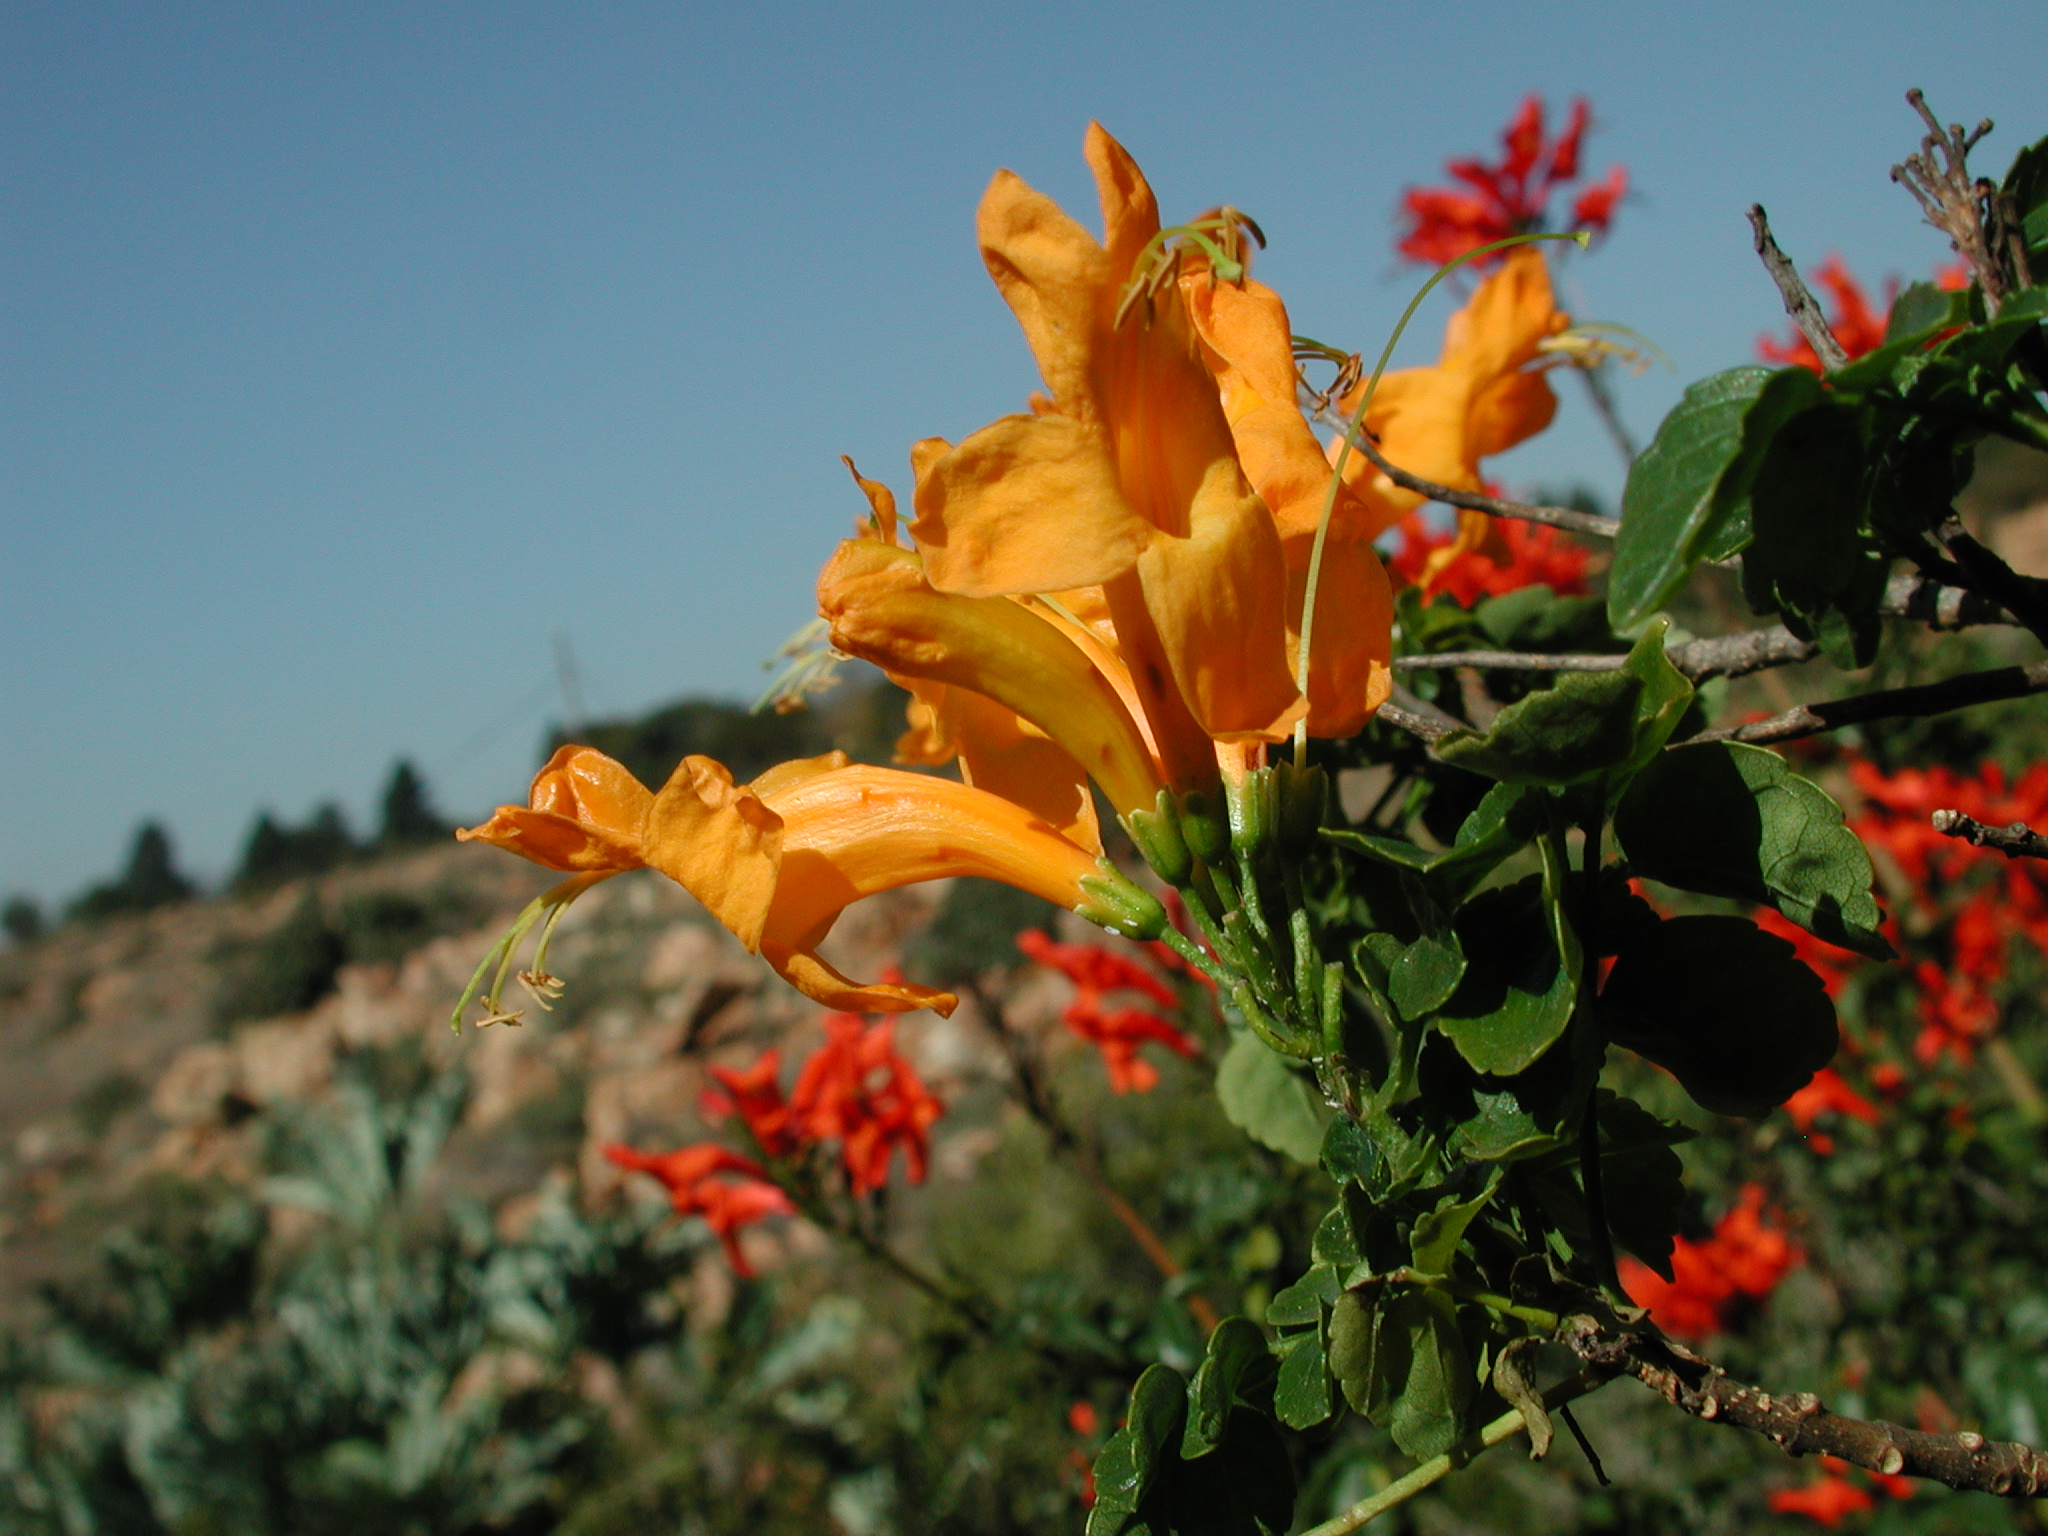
1857	323
1828	1094
1957	1005
1097	973
1511	197
856	1090
1831	1496
1530	553
695	1188
1746	1257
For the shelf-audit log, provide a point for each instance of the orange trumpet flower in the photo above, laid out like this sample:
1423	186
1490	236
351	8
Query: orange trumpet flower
1124	477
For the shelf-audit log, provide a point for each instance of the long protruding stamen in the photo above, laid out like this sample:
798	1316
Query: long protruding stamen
1351	429
549	904
1220	237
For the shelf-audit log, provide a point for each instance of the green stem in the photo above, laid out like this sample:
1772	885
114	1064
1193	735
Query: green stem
1351	430
1434	1470
1589	985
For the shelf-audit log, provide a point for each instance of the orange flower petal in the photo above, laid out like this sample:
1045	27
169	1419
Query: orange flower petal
817	980
1218	600
882	610
1350	668
719	842
584	813
1001	753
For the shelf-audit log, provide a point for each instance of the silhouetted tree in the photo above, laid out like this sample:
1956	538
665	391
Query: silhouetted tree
150	880
22	919
276	853
409	814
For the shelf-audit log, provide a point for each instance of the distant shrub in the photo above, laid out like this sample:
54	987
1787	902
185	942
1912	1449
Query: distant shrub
288	970
23	920
150	880
409	815
276	853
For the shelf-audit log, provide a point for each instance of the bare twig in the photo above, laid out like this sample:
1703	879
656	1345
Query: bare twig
1799	1423
1889	703
2016	840
1737	655
1968	211
1799	301
1569	518
2025	596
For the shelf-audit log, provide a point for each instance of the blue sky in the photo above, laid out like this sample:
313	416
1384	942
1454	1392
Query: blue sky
351	352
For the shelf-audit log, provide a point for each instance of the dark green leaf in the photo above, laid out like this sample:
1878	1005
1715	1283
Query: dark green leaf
1517	994
1784	394
1354	1353
1667	693
1643	1179
1729	819
1305	1300
1426	975
1924	308
1243	1487
1727	1009
1132	1460
1302	1396
1581	726
1237	1370
1667	511
2027	183
1334	1242
1422	1349
1268	1102
1434	1242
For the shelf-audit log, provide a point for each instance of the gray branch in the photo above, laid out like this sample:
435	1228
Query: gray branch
1800	1423
1799	301
2016	840
1888	704
1569	518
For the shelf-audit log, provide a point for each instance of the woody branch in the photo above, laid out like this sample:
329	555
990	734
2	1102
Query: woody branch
1801	1424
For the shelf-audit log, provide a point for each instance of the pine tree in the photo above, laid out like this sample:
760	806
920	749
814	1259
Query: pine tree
409	814
150	880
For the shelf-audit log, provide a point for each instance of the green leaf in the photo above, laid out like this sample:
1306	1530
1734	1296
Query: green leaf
1728	819
1133	1459
1642	1178
1237	1370
1354	1353
1667	694
1302	1395
1426	975
1668	519
1244	1487
1517	994
1581	726
1269	1103
1924	308
1727	1009
1423	1363
1334	1243
1306	1300
2027	182
1807	548
1434	1242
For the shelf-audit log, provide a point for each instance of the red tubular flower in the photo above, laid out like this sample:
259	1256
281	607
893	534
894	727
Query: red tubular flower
691	1175
755	1095
1118	1033
857	1090
1828	1094
1518	555
1095	967
1827	1500
1512	195
1745	1257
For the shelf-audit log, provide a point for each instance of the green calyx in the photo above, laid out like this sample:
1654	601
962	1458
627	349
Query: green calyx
1111	901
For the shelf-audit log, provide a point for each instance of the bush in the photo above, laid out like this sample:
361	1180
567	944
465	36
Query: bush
23	920
276	853
288	970
409	815
151	880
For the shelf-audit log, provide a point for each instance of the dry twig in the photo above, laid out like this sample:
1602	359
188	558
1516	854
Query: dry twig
1888	704
2016	840
1569	518
1799	1423
1969	211
1800	303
